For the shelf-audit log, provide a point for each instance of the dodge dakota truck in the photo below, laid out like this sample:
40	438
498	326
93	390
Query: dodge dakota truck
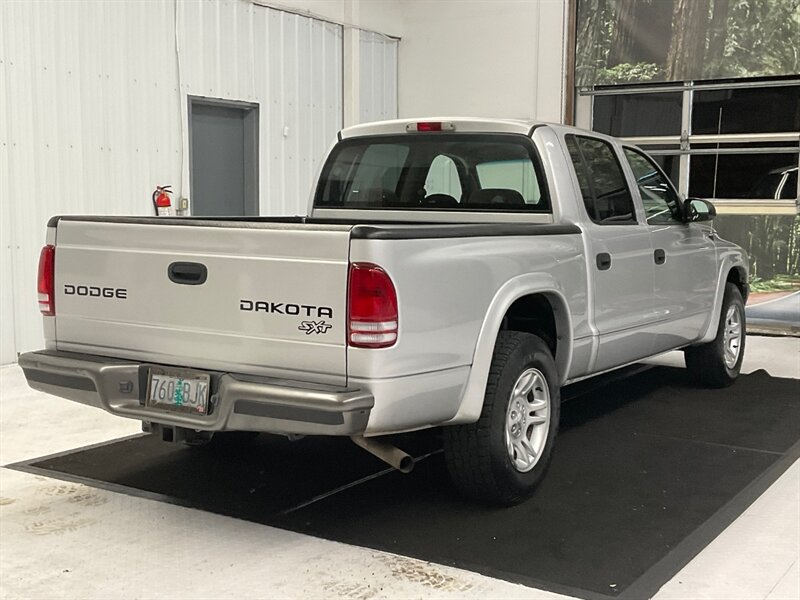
452	273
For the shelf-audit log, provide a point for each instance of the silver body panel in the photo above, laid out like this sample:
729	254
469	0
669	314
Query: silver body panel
203	325
453	293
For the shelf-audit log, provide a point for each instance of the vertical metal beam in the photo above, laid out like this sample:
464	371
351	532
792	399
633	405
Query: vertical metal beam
351	66
569	66
584	111
686	132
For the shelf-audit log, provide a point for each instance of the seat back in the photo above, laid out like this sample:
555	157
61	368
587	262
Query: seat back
440	201
495	198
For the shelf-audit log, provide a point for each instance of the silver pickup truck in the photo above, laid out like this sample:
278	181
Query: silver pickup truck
452	273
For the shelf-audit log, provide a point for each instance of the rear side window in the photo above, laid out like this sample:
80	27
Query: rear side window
605	193
439	171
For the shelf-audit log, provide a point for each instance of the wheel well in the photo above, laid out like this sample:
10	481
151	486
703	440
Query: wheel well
737	277
533	314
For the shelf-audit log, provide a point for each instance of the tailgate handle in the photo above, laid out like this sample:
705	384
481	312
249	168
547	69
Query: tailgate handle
187	273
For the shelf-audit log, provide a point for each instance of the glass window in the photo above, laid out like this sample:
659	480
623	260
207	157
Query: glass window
670	164
605	193
638	114
771	242
443	179
747	176
580	173
789	189
515	174
659	198
366	175
438	171
746	110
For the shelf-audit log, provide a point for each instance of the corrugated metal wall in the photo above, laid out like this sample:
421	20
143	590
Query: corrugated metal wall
93	114
377	77
291	65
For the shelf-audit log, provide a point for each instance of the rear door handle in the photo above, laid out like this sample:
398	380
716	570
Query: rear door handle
187	273
660	256
604	261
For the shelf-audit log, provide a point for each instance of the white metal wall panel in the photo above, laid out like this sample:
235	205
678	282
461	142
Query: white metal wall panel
93	113
289	64
377	77
7	336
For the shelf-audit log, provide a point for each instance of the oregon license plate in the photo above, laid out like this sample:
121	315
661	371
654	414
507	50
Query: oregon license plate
179	390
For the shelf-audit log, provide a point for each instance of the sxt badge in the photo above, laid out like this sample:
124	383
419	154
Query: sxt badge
314	327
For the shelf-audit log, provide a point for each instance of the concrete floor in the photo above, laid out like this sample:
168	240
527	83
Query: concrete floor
68	540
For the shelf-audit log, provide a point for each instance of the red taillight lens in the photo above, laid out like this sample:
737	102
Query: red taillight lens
372	318
46	281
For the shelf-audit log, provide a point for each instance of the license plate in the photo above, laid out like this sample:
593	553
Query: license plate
179	390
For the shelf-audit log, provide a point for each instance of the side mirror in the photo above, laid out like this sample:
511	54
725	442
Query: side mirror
696	209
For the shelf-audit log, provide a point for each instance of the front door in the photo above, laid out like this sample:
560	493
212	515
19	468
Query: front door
684	258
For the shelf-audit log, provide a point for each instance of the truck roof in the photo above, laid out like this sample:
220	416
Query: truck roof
461	124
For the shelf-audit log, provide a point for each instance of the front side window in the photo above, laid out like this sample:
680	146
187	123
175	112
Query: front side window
660	200
439	171
605	193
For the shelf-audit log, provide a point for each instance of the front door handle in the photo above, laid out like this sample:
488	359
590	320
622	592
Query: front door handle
604	261
660	256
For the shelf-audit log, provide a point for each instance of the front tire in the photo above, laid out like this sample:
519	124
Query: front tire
501	458
717	363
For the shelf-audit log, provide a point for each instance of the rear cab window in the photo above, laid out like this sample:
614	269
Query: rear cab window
519	175
440	171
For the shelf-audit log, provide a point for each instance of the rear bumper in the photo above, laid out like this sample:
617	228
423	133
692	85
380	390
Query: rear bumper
238	402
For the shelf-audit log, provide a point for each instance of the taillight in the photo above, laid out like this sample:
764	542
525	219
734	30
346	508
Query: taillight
46	281
430	126
372	318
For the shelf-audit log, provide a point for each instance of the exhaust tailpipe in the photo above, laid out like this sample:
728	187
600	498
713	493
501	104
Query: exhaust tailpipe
389	454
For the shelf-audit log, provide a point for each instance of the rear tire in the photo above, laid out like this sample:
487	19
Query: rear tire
501	458
717	363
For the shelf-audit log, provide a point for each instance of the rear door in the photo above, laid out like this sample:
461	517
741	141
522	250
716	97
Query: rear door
249	297
621	257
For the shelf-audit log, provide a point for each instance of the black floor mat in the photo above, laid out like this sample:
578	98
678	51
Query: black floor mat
646	471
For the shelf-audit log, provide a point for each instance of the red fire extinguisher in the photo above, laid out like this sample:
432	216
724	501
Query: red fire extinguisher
162	202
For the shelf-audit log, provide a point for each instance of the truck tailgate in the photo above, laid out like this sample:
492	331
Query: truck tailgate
273	301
